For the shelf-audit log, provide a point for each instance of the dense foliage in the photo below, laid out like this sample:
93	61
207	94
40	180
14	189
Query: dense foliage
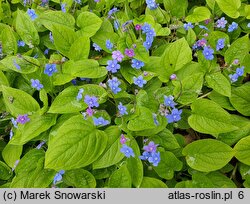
126	93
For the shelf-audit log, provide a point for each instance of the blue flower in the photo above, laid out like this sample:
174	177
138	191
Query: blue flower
50	69
221	23
156	122
240	71
137	64
35	83
114	85
51	37
122	109
32	14
113	66
169	101
100	121
20	43
208	53
187	26
151	4
97	47
79	94
232	27
127	151
233	77
248	25
116	24
175	115
63	7
109	45
139	81
220	44
203	27
151	147
40	145
14	122
58	176
78	1
16	65
154	158
46	51
147	44
112	11
145	155
91	101
146	28
11	134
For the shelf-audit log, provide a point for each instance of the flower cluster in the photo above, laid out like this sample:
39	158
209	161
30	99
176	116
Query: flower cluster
187	26
239	72
91	101
222	22
150	34
175	114
150	154
220	44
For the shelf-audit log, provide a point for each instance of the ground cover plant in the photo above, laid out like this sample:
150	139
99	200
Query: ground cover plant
126	93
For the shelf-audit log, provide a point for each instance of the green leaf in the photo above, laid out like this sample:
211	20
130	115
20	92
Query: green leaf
207	155
76	144
242	150
241	100
12	153
166	139
141	53
239	49
189	88
3	80
149	182
247	11
89	23
63	37
9	42
80	49
168	165
230	7
176	55
49	18
27	64
30	172
112	154
231	138
26	29
208	117
5	171
221	100
79	178
37	125
19	102
120	178
128	72
211	180
191	37
219	83
86	68
66	101
134	165
143	121
177	8
199	14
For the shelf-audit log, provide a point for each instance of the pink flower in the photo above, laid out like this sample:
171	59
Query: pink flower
89	111
138	27
123	139
117	55
129	52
